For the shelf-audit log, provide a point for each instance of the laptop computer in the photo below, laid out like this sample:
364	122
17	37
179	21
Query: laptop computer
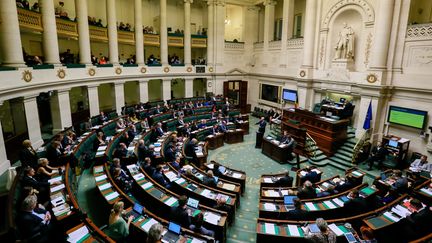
314	228
173	233
136	211
289	202
222	169
193	203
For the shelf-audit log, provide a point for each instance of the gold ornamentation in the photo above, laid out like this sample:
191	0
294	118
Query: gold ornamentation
27	75
189	69
372	78
211	69
166	69
302	73
61	73
92	71
143	70
118	70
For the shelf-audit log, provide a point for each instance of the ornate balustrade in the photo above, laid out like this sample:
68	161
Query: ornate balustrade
175	41
30	20
98	33
419	32
296	43
274	45
258	46
126	37
66	28
151	40
199	42
234	45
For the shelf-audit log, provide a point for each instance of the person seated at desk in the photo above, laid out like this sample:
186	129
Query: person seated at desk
142	151
132	132
145	124
215	169
223	127
116	164
367	235
355	204
400	182
209	179
155	233
202	124
347	110
285	180
378	154
34	223
193	126
343	185
159	177
185	131
102	118
176	163
311	175
307	191
28	156
121	151
122	180
190	151
199	228
120	124
159	130
390	196
328	192
421	165
133	118
43	187
181	214
157	110
170	153
148	167
180	121
419	220
287	140
99	141
118	228
68	139
297	213
215	129
54	153
324	236
44	172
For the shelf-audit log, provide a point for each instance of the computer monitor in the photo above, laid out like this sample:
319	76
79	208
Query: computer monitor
393	143
138	208
289	200
192	203
173	227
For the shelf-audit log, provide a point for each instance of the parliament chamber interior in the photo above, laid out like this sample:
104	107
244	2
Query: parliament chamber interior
216	121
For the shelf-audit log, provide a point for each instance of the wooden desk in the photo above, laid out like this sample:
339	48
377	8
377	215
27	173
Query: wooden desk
84	236
233	175
301	172
274	151
215	141
234	136
244	126
328	134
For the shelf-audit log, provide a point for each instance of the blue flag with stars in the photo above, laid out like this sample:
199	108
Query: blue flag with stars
368	118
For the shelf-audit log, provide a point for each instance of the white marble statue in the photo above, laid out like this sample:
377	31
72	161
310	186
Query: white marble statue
345	44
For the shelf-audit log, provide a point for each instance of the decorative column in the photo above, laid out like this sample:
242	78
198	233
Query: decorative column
163	33
189	87
139	36
309	34
382	35
10	38
49	35
287	28
119	96
143	90
268	22
166	89
93	98
32	118
60	110
4	162
112	32
219	33
187	33
210	29
404	8
83	31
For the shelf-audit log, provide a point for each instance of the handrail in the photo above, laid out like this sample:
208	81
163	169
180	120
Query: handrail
360	144
310	142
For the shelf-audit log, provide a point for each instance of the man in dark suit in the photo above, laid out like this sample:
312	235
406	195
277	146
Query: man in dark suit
148	167
102	118
159	177
142	151
289	141
297	213
215	129
307	191
121	151
356	204
54	153
378	154
401	182
260	133
311	175
181	214
159	130
28	180
286	180
28	155
170	154
190	151
209	179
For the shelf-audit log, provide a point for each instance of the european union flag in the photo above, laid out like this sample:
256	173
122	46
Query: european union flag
368	118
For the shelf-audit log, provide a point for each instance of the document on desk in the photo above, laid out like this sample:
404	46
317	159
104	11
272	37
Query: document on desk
98	169
398	212
104	186
205	192
55	179
138	176
272	193
237	175
329	204
210	166
293	230
211	218
111	196
171	176
427	191
199	154
180	180
101	177
102	148
57	188
339	202
270	228
229	187
310	206
171	201
268	180
317	171
356	173
335	229
391	217
147	185
403	210
78	234
100	153
303	173
269	207
147	224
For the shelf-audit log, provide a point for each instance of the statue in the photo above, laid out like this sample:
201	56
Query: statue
345	44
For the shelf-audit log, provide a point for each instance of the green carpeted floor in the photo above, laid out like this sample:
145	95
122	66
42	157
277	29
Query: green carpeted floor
243	156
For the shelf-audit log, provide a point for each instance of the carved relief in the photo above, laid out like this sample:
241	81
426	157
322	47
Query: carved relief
367	8
368	48
420	56
321	53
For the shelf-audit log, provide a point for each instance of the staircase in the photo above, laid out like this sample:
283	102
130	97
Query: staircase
343	156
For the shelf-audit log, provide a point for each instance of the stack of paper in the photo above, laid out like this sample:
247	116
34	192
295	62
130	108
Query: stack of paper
310	206
55	179
111	196
180	180
147	224
335	229
272	193
147	185
102	148
229	187
303	173
171	201
270	228
210	166
138	176
329	204
206	192
293	230
104	186
101	177
78	234
171	176
339	202
212	218
269	207
427	191
98	169
57	188
391	217
237	175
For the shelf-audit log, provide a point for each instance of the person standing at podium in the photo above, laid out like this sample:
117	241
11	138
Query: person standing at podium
260	133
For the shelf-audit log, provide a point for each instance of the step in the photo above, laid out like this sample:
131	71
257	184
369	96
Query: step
342	156
343	162
346	149
345	152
